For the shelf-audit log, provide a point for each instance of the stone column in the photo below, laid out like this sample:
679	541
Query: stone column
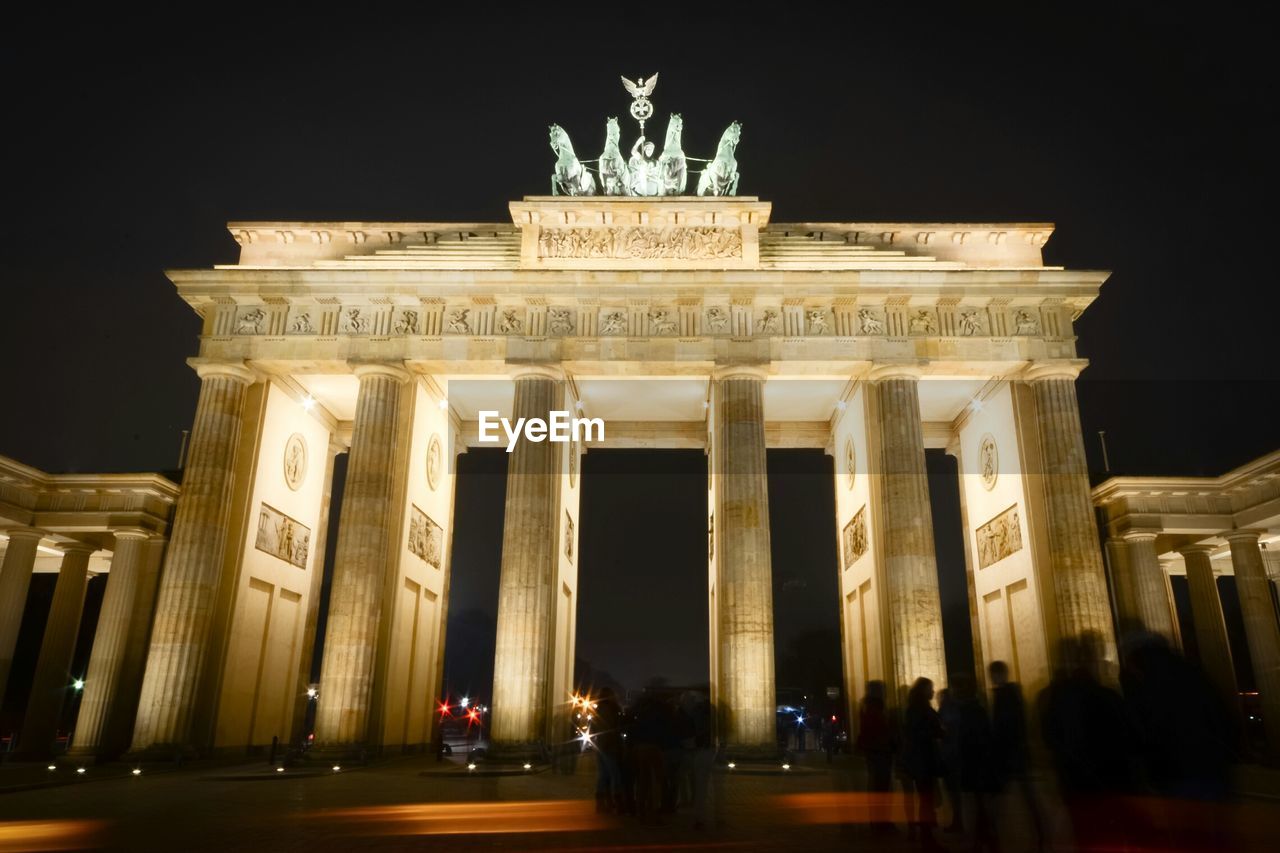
1211	628
525	597
15	578
912	603
1079	582
102	696
193	565
1260	627
1147	584
747	696
1126	606
53	677
365	536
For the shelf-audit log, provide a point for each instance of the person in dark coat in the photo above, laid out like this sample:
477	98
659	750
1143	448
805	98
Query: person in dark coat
876	744
1094	746
921	737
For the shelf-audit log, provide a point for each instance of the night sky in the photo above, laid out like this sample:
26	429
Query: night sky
1149	141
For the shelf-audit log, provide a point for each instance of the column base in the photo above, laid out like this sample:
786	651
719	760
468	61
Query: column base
769	753
338	753
162	753
80	758
533	752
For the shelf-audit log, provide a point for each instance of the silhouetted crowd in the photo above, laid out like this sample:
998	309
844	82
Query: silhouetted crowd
1126	753
652	758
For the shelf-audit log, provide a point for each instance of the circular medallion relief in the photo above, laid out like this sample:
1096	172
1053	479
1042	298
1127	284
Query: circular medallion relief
295	461
988	461
850	461
435	459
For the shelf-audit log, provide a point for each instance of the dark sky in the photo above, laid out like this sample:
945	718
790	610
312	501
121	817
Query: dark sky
1149	141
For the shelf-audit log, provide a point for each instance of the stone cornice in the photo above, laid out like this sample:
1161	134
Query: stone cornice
1260	470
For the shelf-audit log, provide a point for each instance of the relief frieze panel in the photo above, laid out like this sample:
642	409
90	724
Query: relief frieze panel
639	243
999	537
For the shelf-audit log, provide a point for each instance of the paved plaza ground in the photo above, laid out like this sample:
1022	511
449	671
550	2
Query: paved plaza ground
407	803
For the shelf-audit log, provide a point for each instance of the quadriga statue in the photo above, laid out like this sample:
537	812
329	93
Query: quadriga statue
615	178
721	175
672	169
570	177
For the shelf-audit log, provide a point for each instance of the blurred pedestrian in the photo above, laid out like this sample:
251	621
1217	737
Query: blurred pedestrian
921	736
876	744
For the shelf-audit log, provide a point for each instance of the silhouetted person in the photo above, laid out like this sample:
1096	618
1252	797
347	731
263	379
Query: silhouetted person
829	737
1185	735
949	755
1010	752
607	737
647	736
974	776
1092	739
876	743
701	759
921	735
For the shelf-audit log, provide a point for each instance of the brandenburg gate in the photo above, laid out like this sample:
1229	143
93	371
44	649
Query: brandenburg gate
680	322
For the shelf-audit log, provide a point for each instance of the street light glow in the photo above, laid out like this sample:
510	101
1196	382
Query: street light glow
78	684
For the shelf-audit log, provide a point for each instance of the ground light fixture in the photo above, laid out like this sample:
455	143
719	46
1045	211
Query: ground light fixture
471	766
137	771
732	765
52	767
786	767
80	770
528	766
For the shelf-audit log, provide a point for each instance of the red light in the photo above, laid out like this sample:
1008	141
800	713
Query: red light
444	710
833	718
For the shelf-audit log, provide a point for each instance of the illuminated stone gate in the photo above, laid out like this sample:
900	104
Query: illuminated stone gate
681	322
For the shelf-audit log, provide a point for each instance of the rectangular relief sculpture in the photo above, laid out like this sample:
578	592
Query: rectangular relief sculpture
999	537
426	538
283	537
855	537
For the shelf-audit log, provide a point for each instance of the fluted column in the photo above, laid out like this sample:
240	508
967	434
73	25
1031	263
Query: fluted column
744	573
1121	581
1147	585
1260	627
1075	559
1211	628
913	605
193	565
53	668
15	578
525	597
102	682
365	535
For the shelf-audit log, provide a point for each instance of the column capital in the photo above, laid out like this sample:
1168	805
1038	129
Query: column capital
1057	369
1197	548
1245	535
207	368
76	547
137	533
392	369
894	370
1140	534
532	370
25	533
740	371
